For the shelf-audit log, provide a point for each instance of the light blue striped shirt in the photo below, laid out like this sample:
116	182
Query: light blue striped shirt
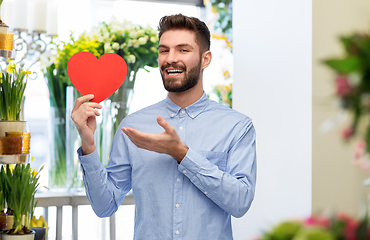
193	200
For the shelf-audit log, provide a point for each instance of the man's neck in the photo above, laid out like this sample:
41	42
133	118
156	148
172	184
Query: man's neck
187	98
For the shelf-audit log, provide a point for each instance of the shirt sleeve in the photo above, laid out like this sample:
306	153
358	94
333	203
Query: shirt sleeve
233	189
107	187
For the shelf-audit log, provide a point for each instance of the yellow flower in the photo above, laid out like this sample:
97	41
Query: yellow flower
11	167
11	68
131	59
27	72
226	74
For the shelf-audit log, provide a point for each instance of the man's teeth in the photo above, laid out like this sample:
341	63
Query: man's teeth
174	71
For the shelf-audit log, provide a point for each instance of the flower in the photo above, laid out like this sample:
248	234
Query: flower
347	133
340	226
224	94
12	86
352	85
128	40
19	180
343	86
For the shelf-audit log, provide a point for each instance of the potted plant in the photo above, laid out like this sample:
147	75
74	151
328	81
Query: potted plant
19	184
13	82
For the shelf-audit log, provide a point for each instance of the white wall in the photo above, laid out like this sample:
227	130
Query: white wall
272	84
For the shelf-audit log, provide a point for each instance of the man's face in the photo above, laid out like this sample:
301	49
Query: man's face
179	60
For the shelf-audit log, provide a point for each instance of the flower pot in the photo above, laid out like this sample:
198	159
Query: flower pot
12	126
40	233
6	221
28	236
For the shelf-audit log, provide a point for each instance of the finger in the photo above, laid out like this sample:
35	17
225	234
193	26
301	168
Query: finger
133	133
92	105
164	124
81	100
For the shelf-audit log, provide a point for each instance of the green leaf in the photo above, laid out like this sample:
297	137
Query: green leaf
344	66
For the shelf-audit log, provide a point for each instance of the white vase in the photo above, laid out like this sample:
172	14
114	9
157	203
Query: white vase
12	126
29	236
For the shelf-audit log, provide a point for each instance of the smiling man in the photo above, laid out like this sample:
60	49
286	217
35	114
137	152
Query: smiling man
191	162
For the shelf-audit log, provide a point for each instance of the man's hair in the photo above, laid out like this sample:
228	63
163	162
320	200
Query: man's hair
180	22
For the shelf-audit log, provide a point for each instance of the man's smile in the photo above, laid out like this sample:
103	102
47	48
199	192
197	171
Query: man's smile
174	72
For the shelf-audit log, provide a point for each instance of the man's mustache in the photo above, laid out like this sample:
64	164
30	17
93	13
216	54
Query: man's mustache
166	65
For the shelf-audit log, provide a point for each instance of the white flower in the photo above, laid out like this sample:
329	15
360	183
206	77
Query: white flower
133	34
131	58
143	40
115	46
153	39
135	43
129	43
140	32
106	36
107	47
123	45
354	79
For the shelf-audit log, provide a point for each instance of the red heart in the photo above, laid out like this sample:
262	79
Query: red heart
101	77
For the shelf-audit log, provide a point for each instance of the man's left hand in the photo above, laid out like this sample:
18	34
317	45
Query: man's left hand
167	142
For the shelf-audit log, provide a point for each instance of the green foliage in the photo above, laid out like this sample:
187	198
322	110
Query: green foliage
283	231
19	184
225	18
338	227
352	82
12	86
314	233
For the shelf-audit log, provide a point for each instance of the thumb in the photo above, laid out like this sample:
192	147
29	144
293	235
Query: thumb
163	123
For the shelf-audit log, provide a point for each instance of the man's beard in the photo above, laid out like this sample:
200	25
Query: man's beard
189	81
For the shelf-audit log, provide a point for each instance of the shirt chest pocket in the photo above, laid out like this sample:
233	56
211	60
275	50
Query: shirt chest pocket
217	158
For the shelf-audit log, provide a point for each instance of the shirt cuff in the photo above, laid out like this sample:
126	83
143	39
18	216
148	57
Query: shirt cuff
90	162
191	163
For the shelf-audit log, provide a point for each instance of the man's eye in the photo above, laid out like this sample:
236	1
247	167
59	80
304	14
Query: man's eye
184	50
163	51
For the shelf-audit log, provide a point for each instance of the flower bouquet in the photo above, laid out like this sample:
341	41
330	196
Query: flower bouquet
137	45
57	80
352	85
19	184
339	227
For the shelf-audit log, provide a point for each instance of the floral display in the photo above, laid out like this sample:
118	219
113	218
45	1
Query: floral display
224	94
352	87
224	19
19	180
137	45
12	85
339	227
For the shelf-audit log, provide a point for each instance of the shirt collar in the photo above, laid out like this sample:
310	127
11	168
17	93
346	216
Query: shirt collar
192	111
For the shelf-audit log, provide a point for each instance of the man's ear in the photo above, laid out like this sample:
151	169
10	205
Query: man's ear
206	59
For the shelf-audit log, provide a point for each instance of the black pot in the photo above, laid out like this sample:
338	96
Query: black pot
40	233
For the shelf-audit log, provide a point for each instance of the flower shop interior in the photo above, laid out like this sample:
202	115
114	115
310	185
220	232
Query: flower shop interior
297	68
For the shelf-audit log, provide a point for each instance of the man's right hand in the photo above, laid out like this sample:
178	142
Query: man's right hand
84	116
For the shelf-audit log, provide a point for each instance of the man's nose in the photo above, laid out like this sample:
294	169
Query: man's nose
172	57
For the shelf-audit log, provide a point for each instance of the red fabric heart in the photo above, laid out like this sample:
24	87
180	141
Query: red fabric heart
101	77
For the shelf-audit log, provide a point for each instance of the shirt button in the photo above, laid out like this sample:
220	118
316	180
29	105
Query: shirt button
192	116
205	193
178	179
183	111
177	232
181	128
172	115
184	171
177	205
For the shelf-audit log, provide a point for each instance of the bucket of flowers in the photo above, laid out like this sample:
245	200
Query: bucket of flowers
19	184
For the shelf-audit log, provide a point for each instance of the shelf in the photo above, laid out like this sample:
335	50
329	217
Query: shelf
13	159
7	54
